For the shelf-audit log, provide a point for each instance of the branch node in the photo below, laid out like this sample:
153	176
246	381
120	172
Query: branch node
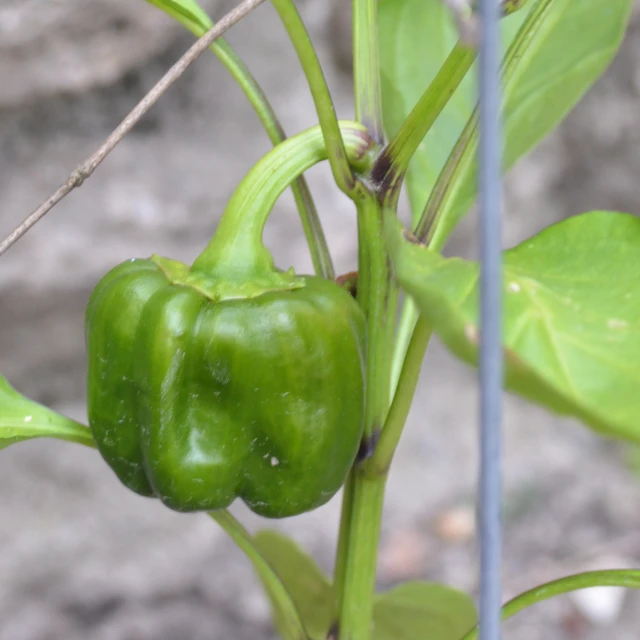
79	175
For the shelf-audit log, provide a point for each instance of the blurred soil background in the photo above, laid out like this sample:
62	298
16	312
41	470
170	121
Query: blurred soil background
81	556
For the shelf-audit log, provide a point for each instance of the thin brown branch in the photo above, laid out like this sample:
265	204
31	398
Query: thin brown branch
89	166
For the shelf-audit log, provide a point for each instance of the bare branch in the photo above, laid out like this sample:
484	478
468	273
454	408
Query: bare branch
89	166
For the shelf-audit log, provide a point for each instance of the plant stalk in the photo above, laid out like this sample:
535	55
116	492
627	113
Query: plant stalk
441	195
408	381
377	296
363	499
359	577
364	494
392	164
366	68
434	226
301	41
290	624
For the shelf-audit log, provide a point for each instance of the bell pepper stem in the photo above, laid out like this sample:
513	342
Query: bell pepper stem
290	623
237	244
199	24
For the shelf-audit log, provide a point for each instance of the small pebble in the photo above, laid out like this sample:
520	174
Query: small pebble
599	605
456	525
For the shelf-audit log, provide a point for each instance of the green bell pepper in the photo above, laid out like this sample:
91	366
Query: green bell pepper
198	401
229	378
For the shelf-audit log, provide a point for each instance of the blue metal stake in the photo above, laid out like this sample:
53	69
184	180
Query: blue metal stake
491	366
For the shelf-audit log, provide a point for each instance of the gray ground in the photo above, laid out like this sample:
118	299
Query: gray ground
82	557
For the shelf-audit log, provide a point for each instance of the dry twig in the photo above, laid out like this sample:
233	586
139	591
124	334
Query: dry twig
83	171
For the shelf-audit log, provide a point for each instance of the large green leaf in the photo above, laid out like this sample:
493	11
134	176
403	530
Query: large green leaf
23	419
571	314
422	611
416	36
310	589
561	49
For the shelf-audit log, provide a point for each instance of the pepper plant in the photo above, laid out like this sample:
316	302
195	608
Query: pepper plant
231	378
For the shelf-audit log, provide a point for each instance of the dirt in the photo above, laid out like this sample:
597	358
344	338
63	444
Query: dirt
82	556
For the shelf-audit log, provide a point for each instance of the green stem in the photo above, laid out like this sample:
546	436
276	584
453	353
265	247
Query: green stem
376	296
434	226
237	244
338	160
366	68
342	550
406	324
313	231
443	192
629	578
290	623
427	227
511	6
381	461
391	166
199	23
363	498
359	572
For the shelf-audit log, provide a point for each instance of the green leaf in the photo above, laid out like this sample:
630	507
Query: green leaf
560	51
423	611
310	589
416	36
571	329
23	419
